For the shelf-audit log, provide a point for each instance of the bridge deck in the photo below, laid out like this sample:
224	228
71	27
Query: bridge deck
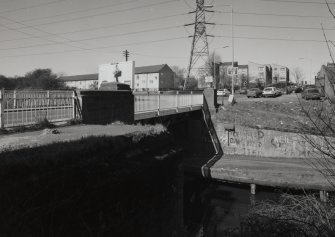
267	171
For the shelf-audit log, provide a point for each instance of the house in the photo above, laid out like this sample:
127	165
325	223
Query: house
154	78
148	78
325	81
280	74
84	82
260	75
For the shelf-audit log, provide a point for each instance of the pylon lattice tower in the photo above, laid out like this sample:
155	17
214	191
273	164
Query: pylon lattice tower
199	49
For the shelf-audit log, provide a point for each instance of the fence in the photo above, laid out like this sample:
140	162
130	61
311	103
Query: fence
22	107
158	101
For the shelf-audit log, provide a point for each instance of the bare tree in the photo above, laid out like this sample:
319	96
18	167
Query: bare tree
297	74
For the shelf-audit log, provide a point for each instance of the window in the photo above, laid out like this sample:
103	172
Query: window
283	69
137	85
275	69
155	77
137	77
151	81
261	69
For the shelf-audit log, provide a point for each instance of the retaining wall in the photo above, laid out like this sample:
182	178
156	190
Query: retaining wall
269	143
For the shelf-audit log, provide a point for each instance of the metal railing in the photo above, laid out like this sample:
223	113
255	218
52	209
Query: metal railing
23	107
159	101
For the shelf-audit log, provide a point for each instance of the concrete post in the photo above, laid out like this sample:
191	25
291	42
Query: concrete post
323	196
2	108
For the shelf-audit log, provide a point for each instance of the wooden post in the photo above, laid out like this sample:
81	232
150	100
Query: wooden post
2	108
253	189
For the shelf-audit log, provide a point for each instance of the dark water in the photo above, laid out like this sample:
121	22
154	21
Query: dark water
214	208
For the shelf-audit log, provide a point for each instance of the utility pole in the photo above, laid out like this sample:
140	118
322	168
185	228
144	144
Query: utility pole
199	48
126	54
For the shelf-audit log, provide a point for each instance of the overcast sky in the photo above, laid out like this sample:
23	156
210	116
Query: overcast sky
75	36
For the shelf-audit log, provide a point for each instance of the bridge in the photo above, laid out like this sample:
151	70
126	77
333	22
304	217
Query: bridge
277	152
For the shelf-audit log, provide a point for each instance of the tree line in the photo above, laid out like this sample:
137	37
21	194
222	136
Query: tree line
43	79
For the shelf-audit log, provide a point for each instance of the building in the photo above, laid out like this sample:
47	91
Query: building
148	78
154	78
260	75
325	81
280	74
225	74
84	82
242	75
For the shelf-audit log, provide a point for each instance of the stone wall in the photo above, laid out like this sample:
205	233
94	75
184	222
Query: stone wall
104	107
268	143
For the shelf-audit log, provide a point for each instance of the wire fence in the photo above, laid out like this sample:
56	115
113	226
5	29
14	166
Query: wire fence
23	107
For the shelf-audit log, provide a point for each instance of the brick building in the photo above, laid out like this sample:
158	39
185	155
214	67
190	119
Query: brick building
148	78
260	75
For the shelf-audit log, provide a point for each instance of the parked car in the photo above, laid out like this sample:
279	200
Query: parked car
223	92
243	91
271	92
254	92
311	94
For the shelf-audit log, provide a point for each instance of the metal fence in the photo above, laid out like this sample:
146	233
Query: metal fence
23	107
157	101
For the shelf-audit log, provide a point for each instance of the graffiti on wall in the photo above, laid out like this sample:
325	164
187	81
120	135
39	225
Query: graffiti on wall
259	142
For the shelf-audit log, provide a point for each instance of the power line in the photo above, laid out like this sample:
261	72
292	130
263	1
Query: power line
32	6
277	27
101	27
100	47
102	14
92	38
275	14
271	39
292	1
79	11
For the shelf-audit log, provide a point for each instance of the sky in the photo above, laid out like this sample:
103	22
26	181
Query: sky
73	37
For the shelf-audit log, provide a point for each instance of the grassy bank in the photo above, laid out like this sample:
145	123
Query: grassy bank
96	186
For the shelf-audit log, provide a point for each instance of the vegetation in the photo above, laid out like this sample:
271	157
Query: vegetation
37	79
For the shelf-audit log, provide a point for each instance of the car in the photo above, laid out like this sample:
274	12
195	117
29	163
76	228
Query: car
254	92
243	91
311	94
271	92
223	92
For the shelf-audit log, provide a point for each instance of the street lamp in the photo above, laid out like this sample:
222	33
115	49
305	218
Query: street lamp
214	77
232	50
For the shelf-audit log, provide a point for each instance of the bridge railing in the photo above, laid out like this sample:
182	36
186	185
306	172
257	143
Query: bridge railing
164	100
26	107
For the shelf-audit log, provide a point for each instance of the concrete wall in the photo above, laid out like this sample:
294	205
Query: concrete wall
104	107
268	143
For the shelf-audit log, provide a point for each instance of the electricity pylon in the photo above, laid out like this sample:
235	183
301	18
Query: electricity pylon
199	49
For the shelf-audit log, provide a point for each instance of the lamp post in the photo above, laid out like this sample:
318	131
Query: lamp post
214	74
232	51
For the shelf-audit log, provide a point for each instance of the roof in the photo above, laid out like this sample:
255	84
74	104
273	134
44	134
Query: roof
138	70
149	69
86	77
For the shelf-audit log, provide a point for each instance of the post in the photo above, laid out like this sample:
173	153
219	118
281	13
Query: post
253	189
2	108
323	196
14	98
158	102
177	102
214	77
232	50
73	105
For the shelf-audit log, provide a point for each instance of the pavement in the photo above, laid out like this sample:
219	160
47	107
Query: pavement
71	133
267	171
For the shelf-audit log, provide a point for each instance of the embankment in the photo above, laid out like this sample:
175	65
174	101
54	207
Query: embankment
93	186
